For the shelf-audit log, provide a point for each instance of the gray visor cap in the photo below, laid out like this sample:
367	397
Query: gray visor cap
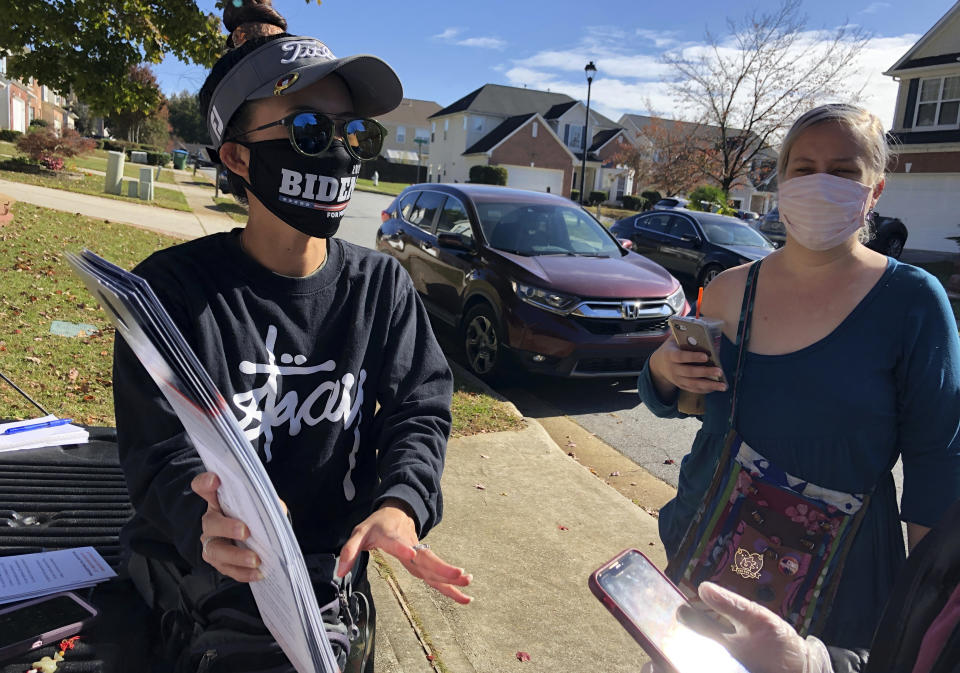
288	64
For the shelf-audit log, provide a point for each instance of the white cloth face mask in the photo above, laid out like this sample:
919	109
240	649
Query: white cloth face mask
821	211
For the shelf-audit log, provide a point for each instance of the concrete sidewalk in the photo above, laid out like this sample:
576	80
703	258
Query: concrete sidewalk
540	524
173	222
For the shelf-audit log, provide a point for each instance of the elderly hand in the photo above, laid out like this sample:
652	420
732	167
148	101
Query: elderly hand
672	367
763	642
392	530
220	534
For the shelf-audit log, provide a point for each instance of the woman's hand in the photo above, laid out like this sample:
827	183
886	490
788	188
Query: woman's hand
763	642
672	368
392	530
220	533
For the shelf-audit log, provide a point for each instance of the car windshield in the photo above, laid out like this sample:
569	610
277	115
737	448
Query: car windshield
722	232
544	229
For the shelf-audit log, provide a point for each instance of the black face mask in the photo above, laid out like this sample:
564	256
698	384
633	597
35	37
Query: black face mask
308	193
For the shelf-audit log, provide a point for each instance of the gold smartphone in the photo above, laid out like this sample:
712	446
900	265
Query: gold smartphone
702	335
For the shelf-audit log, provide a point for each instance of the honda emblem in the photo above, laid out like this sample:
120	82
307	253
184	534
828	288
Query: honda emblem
631	309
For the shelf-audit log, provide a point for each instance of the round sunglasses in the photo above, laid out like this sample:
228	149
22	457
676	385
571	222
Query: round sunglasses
312	133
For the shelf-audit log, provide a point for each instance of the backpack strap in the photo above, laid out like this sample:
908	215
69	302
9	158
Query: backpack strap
743	333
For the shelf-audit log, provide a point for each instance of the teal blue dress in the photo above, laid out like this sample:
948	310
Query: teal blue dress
885	383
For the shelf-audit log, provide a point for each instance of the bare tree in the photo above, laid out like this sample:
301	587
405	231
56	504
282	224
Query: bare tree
751	85
667	155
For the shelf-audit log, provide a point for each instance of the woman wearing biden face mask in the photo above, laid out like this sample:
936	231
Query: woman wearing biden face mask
322	351
849	360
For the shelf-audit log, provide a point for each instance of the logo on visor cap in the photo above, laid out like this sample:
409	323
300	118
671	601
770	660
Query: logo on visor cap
305	49
285	83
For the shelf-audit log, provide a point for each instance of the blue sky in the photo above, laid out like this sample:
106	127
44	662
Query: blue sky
442	51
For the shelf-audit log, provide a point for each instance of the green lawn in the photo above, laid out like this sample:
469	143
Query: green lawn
388	188
233	208
72	376
93	184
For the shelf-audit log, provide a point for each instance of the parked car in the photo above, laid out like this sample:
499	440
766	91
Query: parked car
693	246
888	235
529	278
671	203
748	216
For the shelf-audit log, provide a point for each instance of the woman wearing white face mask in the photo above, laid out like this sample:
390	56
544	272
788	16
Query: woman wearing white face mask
840	360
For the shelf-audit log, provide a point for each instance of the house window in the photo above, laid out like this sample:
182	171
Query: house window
421	134
3	66
466	119
574	136
939	102
446	127
401	134
478	123
534	129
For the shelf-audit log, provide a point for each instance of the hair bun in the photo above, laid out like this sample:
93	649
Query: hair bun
245	19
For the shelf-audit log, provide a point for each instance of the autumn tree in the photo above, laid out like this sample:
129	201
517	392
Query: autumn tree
751	84
89	47
666	155
186	119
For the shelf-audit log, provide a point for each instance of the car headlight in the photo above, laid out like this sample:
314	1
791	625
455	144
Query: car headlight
676	300
548	300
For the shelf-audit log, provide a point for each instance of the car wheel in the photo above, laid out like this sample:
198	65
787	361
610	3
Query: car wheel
482	345
710	272
894	247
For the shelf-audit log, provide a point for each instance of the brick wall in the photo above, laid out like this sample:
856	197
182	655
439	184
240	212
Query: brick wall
544	151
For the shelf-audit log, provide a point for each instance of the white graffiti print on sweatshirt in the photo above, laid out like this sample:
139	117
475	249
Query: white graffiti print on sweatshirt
262	411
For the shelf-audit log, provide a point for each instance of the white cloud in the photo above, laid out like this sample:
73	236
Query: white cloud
659	38
630	76
875	7
450	36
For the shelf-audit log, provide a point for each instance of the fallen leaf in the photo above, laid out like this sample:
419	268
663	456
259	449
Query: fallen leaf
483	456
480	487
593	471
650	543
615	474
571	445
36	361
563	528
430	657
669	461
73	374
523	656
572	455
633	483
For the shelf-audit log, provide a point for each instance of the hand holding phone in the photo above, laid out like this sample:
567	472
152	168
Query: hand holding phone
701	335
32	624
659	617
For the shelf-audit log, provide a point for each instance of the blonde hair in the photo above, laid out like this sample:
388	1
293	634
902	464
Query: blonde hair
864	125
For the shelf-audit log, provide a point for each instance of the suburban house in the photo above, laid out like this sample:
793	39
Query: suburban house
755	191
407	126
923	186
538	136
20	102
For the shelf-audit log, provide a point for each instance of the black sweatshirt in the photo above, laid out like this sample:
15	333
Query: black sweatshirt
303	363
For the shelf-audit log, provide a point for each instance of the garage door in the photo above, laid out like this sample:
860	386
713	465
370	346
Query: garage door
19	121
535	179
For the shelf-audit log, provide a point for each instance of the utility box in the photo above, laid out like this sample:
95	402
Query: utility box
146	183
114	180
138	157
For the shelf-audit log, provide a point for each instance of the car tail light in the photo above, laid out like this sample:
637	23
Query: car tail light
627	243
384	215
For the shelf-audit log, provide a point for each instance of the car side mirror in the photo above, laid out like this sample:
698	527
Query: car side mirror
453	242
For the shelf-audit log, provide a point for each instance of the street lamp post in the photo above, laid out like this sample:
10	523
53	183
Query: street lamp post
420	143
591	70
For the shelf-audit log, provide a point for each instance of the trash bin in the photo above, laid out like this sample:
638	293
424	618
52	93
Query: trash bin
180	159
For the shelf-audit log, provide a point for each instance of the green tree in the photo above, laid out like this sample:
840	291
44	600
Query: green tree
186	120
705	197
129	120
89	47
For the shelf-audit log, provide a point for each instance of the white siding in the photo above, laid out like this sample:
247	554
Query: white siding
927	204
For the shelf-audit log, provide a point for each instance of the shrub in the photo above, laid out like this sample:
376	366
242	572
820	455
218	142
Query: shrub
635	202
597	197
41	123
52	163
9	135
21	165
705	197
114	145
42	144
488	175
652	196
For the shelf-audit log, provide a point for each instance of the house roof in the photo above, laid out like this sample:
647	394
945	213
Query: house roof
603	137
499	100
411	111
907	61
499	134
558	109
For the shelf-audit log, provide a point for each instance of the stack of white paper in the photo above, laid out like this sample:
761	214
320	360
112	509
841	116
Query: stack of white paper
39	432
285	595
32	575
